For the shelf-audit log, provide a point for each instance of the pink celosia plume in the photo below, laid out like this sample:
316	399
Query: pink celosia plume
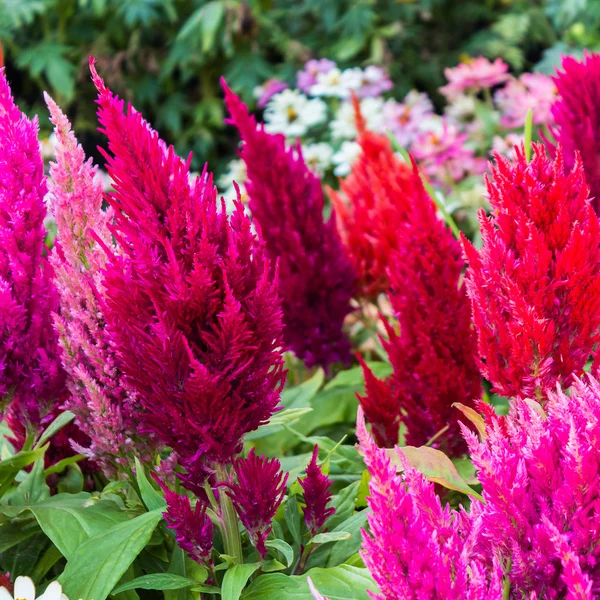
535	283
31	375
191	303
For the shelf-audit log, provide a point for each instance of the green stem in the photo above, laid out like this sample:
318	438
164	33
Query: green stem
230	528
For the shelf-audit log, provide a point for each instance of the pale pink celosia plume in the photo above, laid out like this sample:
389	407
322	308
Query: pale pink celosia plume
103	407
31	375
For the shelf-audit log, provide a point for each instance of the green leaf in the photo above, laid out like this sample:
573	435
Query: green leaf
292	518
527	134
277	421
434	465
12	534
63	419
473	416
344	504
330	536
157	581
339	583
354	377
11	466
283	547
152	499
235	580
33	488
299	396
98	564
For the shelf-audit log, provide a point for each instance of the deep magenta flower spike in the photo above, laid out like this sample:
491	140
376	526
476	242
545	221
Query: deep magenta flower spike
105	410
316	278
317	495
191	303
31	375
257	494
535	283
193	529
577	116
434	353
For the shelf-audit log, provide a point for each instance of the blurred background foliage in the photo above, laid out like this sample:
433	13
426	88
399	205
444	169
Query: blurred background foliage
166	56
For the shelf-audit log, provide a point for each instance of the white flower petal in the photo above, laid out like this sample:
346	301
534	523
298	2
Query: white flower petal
53	592
4	594
24	588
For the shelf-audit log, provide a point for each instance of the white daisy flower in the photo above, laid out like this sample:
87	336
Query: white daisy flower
48	146
330	84
318	157
343	127
345	157
25	590
292	113
237	172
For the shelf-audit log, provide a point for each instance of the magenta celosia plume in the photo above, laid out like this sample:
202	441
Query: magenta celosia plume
104	409
191	302
31	374
433	354
577	116
256	494
316	279
317	495
535	283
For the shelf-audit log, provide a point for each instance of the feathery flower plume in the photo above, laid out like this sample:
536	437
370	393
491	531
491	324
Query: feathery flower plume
577	116
317	495
416	549
371	208
433	355
103	407
257	494
31	375
535	284
191	303
193	529
316	280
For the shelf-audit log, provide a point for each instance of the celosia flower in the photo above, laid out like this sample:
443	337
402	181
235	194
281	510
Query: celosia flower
193	529
405	119
317	495
433	355
104	409
308	77
31	375
257	494
533	91
577	116
535	284
370	209
316	280
267	90
191	304
415	548
475	75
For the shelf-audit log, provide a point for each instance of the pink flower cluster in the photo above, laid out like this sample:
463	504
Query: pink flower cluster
473	76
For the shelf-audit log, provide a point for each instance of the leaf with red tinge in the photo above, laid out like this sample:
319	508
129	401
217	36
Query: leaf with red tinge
435	466
473	416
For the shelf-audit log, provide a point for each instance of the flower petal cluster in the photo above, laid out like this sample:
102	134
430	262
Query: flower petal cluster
316	279
370	209
191	302
256	494
405	119
31	374
535	283
24	589
317	495
475	75
104	408
434	353
577	116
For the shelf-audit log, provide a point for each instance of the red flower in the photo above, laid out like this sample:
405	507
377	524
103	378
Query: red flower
371	208
535	283
317	495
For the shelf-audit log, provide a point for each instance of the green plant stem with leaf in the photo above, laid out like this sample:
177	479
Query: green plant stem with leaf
229	521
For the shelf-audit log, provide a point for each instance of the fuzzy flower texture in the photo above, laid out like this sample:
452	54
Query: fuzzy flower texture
535	284
191	304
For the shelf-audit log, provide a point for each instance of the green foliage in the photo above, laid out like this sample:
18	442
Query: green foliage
166	56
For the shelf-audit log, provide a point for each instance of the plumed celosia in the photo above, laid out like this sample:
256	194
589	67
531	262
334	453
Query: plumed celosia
317	495
256	494
535	283
537	527
193	529
191	303
316	279
104	409
577	116
31	374
415	548
433	354
371	207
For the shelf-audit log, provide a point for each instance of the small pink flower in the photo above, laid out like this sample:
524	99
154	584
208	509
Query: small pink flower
476	75
375	81
308	77
404	119
269	89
